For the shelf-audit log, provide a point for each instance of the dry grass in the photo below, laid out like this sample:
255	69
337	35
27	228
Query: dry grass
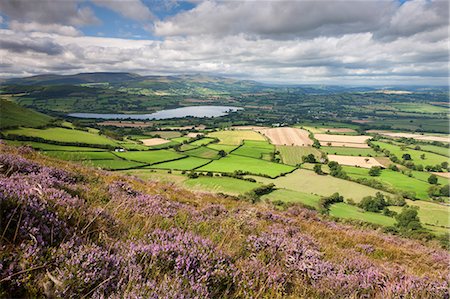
287	136
425	137
154	141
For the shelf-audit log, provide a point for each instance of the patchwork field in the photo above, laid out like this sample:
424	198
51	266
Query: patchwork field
203	141
287	136
63	135
81	156
349	151
430	213
443	174
154	141
444	151
292	155
150	157
114	164
393	179
366	162
222	147
236	137
226	185
54	147
429	158
124	124
254	149
425	137
342	140
187	163
203	152
233	163
307	181
165	134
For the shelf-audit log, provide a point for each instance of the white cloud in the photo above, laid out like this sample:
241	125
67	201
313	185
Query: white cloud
50	28
132	9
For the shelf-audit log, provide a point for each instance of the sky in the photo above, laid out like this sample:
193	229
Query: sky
359	42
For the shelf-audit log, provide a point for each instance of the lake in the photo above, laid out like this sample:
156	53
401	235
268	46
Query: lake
195	111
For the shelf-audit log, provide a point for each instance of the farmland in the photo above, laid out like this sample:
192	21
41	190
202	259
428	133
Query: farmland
425	137
349	151
235	137
202	152
150	157
287	136
254	149
187	163
342	140
366	162
221	184
291	196
346	211
154	141
232	163
292	155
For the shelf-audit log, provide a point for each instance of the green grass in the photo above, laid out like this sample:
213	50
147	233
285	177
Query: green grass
64	135
165	134
307	181
221	184
419	108
393	179
162	146
292	196
187	163
180	139
423	176
203	141
232	163
156	175
292	155
440	150
254	149
349	151
430	213
114	164
430	158
203	152
53	147
346	211
224	147
12	114
81	156
236	137
150	157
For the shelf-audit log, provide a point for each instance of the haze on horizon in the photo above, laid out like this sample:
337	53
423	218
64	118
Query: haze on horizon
302	42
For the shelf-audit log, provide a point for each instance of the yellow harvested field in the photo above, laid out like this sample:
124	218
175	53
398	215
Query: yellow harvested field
287	136
365	162
154	141
341	138
414	136
443	174
344	144
339	130
124	124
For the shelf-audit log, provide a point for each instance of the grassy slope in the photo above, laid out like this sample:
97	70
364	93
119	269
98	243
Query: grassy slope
292	196
254	149
182	164
64	135
203	152
221	184
346	211
292	155
12	114
150	157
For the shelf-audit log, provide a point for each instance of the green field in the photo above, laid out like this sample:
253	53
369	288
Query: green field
187	163
346	211
64	135
12	114
221	184
114	164
419	108
236	137
423	176
165	134
254	149
150	157
393	179
430	213
180	139
81	156
233	163
162	146
54	147
292	196
203	152
430	158
349	151
203	141
223	147
307	181
440	150
292	155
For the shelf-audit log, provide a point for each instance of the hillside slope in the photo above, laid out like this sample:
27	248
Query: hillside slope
12	114
70	231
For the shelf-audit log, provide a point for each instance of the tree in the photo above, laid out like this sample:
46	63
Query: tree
309	159
406	157
445	191
393	167
422	156
318	169
433	179
375	171
373	203
408	219
222	153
